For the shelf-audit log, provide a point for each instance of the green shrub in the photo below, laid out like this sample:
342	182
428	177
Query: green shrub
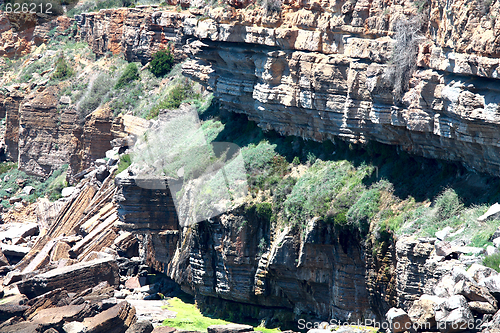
130	74
7	166
63	69
447	205
174	99
363	210
162	63
296	161
125	162
492	261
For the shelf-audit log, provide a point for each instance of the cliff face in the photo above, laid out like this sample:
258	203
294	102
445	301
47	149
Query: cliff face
48	133
316	70
11	104
322	272
15	43
134	32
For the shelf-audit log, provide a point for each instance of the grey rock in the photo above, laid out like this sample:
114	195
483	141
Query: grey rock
68	191
100	161
454	314
140	327
74	327
27	190
442	234
482	307
480	272
399	320
229	328
491	250
65	100
14	250
492	213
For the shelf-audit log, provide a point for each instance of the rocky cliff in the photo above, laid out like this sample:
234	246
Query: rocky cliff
316	70
19	42
136	33
230	262
48	132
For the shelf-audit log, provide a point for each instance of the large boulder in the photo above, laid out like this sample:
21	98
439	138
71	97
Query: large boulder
454	315
480	272
492	283
422	312
473	292
116	319
398	320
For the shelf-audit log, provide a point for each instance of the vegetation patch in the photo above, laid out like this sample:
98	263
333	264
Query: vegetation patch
130	74
178	94
162	63
492	261
189	317
63	69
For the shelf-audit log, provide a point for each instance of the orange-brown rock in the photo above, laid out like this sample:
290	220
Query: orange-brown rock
134	32
47	134
19	34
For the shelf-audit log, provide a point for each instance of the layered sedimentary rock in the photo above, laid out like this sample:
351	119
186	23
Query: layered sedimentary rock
19	42
11	137
136	33
145	205
317	71
96	136
47	132
230	259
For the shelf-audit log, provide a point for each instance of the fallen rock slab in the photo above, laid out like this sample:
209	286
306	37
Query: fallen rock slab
60	314
454	315
482	307
74	278
18	230
15	250
23	327
114	320
229	328
11	310
492	213
474	292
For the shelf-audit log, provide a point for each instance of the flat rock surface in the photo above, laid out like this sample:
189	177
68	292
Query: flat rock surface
152	310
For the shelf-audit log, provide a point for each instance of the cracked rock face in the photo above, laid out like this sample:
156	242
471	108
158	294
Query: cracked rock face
317	72
136	33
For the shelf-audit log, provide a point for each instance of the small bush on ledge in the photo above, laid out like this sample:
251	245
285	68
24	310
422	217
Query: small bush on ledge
63	69
162	63
130	74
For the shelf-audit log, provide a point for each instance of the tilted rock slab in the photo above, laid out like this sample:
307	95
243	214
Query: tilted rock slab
73	278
